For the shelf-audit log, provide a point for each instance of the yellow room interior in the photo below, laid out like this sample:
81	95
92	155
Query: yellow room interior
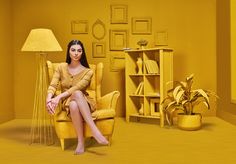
201	33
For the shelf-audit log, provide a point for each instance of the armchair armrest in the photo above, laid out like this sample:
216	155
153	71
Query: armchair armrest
106	106
108	101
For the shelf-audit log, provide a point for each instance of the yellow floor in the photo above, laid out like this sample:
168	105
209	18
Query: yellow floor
132	143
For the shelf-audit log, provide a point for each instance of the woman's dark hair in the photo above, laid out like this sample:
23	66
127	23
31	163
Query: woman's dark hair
83	59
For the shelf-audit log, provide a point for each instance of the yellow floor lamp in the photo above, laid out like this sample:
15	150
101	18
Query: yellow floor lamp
41	41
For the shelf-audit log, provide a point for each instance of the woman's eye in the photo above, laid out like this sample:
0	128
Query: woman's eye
79	51
73	50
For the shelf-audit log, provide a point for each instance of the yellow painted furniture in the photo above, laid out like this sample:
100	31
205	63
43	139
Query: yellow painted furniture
103	116
146	73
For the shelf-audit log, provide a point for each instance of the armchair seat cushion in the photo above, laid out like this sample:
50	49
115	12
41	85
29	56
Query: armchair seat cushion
97	115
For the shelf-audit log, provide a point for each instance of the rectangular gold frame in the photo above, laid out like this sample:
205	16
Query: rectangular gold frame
115	62
96	53
113	42
147	20
120	18
153	103
161	38
76	27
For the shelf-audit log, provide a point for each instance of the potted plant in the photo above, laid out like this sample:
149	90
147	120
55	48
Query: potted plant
183	98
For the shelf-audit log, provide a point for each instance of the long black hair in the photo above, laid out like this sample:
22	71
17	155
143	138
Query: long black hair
83	59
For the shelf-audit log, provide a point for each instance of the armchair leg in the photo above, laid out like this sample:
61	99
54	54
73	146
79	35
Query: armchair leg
62	141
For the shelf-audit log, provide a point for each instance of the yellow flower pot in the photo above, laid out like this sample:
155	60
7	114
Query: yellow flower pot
189	122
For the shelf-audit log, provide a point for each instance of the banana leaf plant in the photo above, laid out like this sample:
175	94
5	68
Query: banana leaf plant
183	97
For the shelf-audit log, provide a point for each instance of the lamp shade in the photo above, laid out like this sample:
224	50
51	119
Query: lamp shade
41	40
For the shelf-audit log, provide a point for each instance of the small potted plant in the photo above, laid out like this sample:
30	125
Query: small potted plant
183	98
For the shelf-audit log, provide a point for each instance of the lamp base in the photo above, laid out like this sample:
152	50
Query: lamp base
42	123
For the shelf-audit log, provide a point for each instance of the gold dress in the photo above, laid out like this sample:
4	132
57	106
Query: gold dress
71	83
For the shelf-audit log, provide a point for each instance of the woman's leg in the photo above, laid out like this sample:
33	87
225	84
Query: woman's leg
77	121
78	96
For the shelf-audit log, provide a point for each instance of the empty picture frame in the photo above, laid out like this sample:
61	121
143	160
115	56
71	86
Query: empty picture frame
119	14
99	50
118	39
79	27
117	61
98	30
154	107
161	38
142	25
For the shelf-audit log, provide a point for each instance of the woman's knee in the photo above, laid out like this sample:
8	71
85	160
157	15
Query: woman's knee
73	106
77	95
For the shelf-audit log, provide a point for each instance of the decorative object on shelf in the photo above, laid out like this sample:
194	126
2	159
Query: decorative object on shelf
142	25
99	30
79	27
154	107
41	41
140	111
119	14
140	65
161	38
142	43
182	97
99	50
118	39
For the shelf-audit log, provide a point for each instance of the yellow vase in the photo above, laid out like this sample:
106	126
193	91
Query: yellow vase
189	122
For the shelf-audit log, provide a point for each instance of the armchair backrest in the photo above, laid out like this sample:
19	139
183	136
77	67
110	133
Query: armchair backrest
94	88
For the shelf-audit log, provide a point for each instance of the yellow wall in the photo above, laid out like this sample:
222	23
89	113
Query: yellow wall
190	26
6	62
233	49
226	109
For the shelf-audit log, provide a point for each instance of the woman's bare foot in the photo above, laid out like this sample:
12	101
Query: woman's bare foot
79	149
100	139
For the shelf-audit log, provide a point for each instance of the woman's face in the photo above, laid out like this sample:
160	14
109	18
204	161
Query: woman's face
75	52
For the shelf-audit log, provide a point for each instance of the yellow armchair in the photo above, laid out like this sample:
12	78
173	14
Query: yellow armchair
103	116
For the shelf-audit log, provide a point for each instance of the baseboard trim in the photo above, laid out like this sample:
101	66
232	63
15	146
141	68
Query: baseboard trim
229	117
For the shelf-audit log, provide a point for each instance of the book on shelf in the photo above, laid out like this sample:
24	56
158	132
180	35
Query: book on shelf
151	66
139	90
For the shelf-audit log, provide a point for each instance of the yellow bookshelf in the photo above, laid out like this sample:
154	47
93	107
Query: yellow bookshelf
146	90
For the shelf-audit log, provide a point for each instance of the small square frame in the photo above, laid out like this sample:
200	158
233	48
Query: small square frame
79	27
119	14
154	107
161	38
117	62
117	37
99	49
144	22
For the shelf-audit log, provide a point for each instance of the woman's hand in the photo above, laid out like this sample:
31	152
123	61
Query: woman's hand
49	106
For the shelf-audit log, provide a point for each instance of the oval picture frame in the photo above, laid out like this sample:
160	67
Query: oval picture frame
98	23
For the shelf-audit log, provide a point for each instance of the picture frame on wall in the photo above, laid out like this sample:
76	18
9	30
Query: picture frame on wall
141	25
119	14
79	27
118	40
99	50
99	30
117	61
161	38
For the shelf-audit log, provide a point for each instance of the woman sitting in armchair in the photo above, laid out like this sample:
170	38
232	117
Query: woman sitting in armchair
75	76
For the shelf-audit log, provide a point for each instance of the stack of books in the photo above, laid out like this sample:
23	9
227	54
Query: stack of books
139	90
151	66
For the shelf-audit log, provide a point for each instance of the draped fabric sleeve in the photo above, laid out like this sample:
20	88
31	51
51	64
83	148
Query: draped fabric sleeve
55	81
83	83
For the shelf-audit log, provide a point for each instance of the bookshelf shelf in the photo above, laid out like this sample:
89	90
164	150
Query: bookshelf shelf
146	90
